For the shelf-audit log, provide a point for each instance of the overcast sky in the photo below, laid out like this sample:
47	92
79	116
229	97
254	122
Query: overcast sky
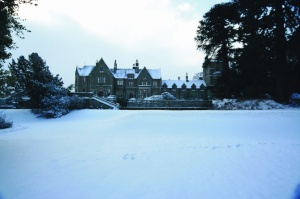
159	33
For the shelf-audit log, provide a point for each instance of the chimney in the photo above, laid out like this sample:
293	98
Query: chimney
187	78
178	78
137	63
115	66
136	66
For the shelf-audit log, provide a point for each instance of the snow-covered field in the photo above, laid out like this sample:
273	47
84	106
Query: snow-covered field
110	154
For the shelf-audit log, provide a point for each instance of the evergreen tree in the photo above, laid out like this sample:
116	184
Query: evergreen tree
216	36
265	29
10	23
216	32
46	92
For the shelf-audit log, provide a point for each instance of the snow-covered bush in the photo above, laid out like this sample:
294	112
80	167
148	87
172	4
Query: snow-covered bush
163	96
154	97
168	96
76	102
295	99
234	104
3	123
53	106
121	101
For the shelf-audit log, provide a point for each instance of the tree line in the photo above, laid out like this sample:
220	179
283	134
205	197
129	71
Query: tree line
258	43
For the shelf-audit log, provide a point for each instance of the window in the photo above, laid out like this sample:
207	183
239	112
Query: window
101	79
154	83
101	69
84	80
130	76
119	82
144	93
130	84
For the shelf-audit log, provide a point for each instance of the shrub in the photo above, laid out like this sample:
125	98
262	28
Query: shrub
122	101
53	106
3	123
76	102
168	96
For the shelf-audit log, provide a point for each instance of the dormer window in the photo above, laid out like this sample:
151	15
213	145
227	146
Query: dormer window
165	87
183	87
174	87
193	87
202	87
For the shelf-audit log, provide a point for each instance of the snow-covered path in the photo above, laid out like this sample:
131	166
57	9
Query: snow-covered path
151	154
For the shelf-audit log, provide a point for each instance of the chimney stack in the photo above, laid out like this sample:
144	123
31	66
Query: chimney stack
137	66
115	66
178	78
187	78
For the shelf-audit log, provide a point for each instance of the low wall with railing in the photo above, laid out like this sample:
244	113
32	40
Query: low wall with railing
169	104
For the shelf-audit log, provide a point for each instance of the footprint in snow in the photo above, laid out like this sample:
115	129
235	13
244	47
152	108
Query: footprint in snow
128	156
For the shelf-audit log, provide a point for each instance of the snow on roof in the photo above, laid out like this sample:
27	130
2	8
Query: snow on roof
122	73
179	83
85	70
155	73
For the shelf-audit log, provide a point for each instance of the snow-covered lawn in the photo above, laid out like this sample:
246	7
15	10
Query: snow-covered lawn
110	154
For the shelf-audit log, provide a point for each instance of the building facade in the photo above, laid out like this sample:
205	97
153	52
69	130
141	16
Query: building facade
127	83
212	70
134	82
185	89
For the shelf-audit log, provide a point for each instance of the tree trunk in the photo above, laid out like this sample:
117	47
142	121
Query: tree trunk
281	92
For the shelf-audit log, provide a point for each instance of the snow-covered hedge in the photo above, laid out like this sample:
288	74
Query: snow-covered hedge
295	99
234	104
3	123
55	106
163	96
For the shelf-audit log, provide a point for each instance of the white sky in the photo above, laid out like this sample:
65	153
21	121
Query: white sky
159	33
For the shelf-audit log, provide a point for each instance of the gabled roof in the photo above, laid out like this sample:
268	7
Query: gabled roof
155	73
179	83
121	73
85	70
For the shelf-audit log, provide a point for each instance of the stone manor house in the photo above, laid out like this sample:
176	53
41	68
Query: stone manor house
134	82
